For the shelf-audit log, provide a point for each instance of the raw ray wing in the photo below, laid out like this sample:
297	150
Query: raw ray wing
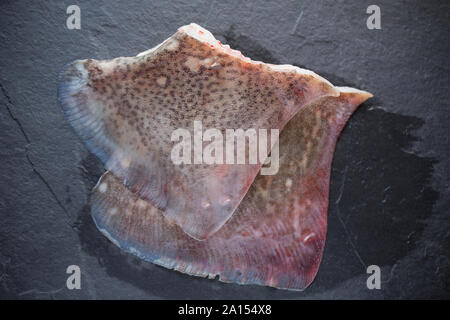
126	110
276	236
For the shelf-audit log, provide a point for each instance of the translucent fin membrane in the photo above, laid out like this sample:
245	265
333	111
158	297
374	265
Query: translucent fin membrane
126	110
276	236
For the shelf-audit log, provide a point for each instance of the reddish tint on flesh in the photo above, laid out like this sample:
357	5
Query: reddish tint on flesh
276	236
209	220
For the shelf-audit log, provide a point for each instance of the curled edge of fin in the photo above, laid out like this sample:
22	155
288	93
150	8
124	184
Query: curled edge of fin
130	237
80	110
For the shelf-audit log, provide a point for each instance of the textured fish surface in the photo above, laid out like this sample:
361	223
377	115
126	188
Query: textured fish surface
125	110
276	236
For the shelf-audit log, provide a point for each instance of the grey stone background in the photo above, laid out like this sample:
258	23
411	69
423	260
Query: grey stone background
389	198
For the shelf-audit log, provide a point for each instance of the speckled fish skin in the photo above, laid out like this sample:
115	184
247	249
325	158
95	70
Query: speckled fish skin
126	109
277	235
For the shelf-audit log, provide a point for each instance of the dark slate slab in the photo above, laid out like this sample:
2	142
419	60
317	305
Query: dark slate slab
389	199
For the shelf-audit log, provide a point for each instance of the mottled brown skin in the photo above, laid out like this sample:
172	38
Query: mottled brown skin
276	236
126	109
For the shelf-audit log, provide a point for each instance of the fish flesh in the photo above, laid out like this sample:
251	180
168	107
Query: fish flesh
220	219
126	109
276	236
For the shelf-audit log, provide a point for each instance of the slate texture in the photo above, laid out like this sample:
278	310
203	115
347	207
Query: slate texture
389	197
